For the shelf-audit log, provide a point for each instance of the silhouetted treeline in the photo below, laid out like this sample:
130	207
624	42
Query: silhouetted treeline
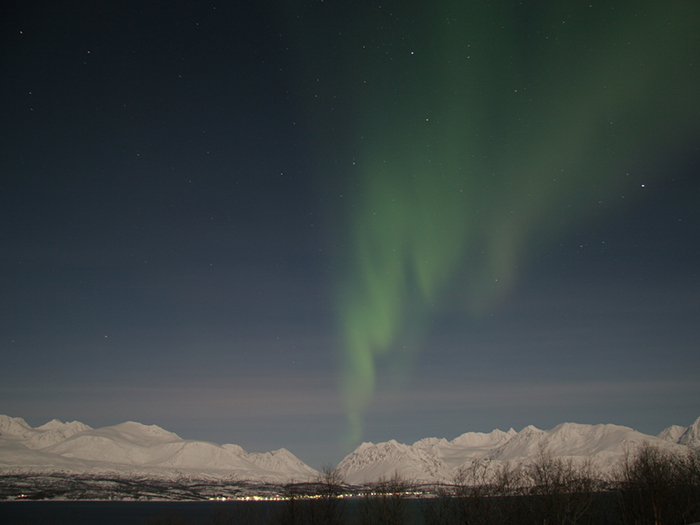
658	487
651	486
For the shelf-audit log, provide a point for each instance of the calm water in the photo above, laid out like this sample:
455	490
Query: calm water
143	512
128	512
230	512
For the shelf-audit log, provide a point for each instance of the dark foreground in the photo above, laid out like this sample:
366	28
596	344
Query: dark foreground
599	508
134	512
354	510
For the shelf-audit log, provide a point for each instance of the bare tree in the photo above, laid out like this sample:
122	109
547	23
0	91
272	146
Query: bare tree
440	509
293	511
480	493
659	487
472	491
562	490
329	507
384	502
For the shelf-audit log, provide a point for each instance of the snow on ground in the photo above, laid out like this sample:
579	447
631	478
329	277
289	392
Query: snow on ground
139	449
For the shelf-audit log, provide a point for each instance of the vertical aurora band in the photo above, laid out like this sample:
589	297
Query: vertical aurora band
482	133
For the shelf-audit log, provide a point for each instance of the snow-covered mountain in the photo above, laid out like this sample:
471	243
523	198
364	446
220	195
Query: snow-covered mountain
370	462
438	460
673	433
135	448
691	437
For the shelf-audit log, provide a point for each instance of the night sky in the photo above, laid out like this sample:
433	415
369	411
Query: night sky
307	224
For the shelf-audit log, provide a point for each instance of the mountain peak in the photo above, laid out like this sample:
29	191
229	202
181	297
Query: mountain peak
132	446
139	430
51	425
370	462
480	439
433	460
672	433
691	437
14	426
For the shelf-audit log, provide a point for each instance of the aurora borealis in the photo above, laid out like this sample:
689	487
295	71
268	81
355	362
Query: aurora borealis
309	223
487	132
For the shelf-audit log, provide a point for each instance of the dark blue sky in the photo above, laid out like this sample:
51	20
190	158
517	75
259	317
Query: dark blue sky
180	194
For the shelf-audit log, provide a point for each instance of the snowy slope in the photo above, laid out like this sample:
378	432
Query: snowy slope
282	460
688	436
370	462
572	440
135	448
673	433
43	436
433	460
691	437
467	447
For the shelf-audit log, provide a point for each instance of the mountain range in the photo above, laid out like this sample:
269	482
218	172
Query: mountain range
438	460
136	449
148	450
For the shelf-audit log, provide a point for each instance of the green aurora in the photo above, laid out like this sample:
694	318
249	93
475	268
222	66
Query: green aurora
479	133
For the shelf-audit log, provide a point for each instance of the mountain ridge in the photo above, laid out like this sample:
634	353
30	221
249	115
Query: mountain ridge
434	460
149	450
134	448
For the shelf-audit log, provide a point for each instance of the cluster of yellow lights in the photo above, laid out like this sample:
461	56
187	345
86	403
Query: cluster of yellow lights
311	496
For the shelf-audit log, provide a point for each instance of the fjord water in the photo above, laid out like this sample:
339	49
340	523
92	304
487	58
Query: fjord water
143	512
131	512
